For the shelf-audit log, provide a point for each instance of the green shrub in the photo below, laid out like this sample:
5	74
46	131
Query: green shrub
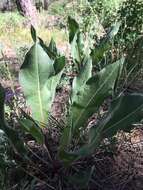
106	10
10	21
131	16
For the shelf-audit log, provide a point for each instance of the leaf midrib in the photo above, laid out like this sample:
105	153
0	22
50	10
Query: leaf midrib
38	85
93	97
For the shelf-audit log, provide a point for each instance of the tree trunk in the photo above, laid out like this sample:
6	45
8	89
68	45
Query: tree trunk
46	2
27	9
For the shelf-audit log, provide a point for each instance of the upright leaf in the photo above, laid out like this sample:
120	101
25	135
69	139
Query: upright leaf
51	50
77	49
39	80
31	127
84	74
89	98
76	41
73	28
104	45
93	93
33	34
52	47
124	111
59	64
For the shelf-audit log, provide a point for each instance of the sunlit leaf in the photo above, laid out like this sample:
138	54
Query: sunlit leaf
73	28
89	97
33	34
39	76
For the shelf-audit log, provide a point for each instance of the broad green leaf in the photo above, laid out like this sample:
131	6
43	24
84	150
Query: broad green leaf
73	28
76	41
33	34
77	50
104	44
12	135
124	111
52	47
39	80
51	50
66	136
31	127
59	64
80	80
90	97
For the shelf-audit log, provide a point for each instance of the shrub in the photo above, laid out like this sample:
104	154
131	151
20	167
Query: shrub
131	16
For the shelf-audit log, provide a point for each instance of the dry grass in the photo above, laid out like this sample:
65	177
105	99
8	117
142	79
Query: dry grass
14	31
